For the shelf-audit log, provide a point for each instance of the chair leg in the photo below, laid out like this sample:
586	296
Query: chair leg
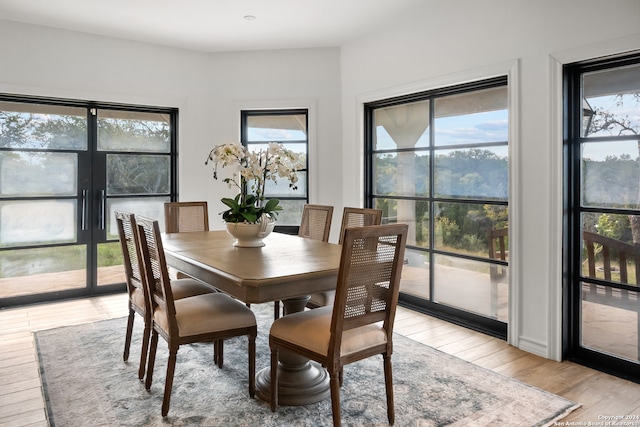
127	339
388	382
218	353
252	366
341	376
334	383
144	351
168	383
274	379
152	359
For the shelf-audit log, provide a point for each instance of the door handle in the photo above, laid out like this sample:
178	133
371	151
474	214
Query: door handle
83	218
101	212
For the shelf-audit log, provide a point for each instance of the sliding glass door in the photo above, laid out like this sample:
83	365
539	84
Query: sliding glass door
64	168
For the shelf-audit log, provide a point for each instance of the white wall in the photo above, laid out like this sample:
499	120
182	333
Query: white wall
208	89
455	41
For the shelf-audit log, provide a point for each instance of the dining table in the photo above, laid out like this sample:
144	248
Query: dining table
287	268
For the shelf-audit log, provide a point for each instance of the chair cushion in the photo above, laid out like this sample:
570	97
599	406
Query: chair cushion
311	330
183	288
201	314
137	298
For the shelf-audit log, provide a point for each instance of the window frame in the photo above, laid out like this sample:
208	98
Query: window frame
475	321
244	115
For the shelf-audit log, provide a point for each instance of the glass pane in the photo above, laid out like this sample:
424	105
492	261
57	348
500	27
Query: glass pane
464	227
472	117
291	214
47	127
36	222
138	174
278	127
133	131
415	274
412	212
609	321
611	174
611	103
280	188
472	173
37	173
110	264
33	271
471	286
298	148
401	126
401	174
608	242
150	207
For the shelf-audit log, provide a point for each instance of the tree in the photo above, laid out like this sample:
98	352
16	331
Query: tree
612	122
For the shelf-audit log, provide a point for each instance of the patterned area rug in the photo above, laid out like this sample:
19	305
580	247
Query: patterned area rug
86	383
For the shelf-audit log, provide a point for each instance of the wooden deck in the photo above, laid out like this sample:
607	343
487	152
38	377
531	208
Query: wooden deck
21	398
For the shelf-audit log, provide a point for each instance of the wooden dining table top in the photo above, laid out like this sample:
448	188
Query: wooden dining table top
286	267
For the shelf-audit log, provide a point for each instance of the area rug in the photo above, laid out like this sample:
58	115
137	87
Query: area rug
86	383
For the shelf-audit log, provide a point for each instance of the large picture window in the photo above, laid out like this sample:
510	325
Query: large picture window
439	162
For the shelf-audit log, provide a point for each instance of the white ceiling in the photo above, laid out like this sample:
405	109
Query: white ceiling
217	25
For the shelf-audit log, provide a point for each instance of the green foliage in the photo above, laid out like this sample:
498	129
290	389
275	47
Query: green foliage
614	226
246	210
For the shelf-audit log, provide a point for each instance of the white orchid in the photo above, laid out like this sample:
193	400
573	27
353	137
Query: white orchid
254	168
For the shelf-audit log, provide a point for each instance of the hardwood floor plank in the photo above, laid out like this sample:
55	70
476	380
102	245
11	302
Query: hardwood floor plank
22	407
33	418
20	386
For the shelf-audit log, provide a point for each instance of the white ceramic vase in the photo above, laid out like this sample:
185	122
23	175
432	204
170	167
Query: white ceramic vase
250	235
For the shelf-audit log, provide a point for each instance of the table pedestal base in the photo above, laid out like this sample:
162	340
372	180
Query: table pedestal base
300	387
300	381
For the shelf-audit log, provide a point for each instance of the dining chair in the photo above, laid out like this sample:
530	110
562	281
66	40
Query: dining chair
184	217
315	224
360	322
181	217
211	317
351	217
137	302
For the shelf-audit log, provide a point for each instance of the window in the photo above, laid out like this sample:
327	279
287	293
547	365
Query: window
603	165
290	128
438	161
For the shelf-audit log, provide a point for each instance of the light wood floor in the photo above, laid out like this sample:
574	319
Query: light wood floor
21	401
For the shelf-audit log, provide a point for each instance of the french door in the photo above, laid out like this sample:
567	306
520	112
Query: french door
602	319
65	167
